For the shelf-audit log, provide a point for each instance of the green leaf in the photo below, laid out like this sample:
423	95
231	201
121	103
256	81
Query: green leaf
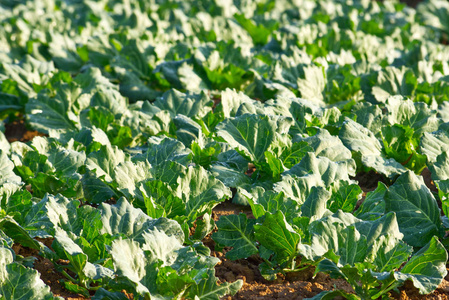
102	294
316	203
374	205
324	144
416	209
312	86
352	245
229	176
251	135
103	162
324	169
439	168
209	289
290	156
427	267
416	115
188	131
258	32
390	253
122	219
74	288
277	235
190	105
231	100
345	196
204	226
399	144
360	140
46	112
326	233
128	175
262	201
95	190
129	261
394	81
201	192
440	175
435	143
17	233
9	181
236	231
19	282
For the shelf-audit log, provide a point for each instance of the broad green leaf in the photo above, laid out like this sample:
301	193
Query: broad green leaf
236	231
440	175
400	144
128	175
345	196
188	131
19	282
122	219
416	209
46	112
326	170
95	189
360	140
374	205
277	235
9	181
369	116
231	101
17	233
103	162
204	226
190	105
439	168
170	172
102	294
209	289
435	143
387	225
415	115
326	232
251	135
67	249
201	192
262	201
426	268
18	205
324	144
160	200
390	253
394	81
258	32
297	188
316	203
129	261
229	176
65	161
290	156
352	245
312	86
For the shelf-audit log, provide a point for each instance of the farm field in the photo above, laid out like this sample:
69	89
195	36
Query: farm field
252	149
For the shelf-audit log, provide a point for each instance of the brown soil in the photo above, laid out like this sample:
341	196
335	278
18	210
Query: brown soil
17	131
